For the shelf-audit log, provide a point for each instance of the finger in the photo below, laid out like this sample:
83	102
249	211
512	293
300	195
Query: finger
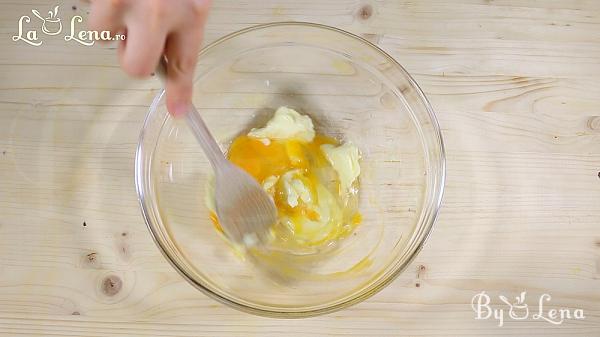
141	50
106	15
182	50
182	53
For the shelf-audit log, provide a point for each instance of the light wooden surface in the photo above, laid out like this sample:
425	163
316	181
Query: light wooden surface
516	86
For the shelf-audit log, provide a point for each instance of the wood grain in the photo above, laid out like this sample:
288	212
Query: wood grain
516	87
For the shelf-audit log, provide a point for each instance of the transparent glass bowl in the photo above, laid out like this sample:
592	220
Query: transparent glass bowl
353	91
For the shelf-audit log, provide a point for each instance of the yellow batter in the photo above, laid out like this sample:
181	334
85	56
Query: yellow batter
312	178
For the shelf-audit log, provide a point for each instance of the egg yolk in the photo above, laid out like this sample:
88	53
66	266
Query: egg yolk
262	159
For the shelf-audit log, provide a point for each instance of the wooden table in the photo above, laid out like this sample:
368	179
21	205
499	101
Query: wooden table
516	87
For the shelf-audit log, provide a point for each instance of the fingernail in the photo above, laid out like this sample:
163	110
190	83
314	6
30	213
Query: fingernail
179	109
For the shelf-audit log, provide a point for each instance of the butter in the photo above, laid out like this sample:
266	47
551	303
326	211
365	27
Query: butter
345	161
286	124
295	188
269	183
325	227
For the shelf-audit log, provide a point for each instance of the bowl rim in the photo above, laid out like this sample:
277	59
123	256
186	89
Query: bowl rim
368	291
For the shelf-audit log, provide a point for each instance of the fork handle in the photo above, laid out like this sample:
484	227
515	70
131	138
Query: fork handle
199	129
205	138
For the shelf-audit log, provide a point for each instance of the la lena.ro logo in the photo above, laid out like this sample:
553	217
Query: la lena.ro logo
519	310
52	25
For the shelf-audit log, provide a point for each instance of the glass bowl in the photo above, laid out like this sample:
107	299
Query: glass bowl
354	92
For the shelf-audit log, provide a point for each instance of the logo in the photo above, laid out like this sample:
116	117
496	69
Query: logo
519	310
51	25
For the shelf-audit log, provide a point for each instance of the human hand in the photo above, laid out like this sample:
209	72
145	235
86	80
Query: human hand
173	28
